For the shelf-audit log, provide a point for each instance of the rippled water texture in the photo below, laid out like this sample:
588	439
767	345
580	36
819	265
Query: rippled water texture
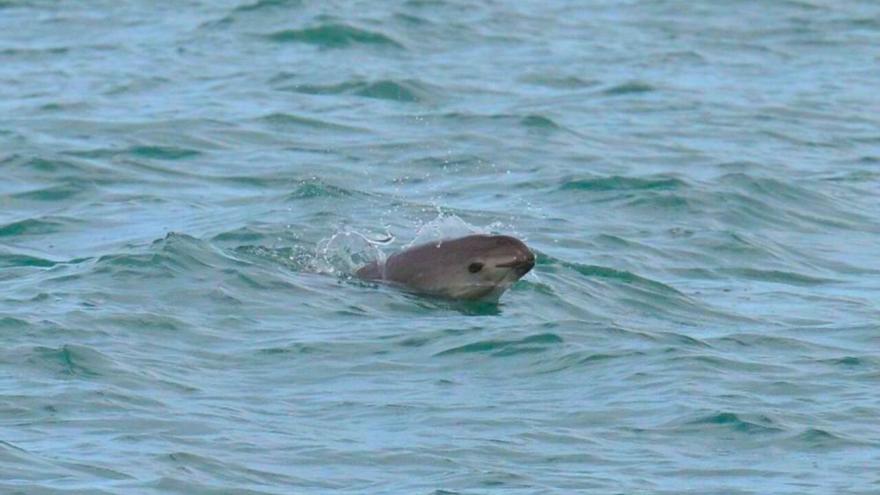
698	179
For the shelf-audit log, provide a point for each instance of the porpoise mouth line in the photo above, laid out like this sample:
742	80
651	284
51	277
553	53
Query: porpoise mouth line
517	264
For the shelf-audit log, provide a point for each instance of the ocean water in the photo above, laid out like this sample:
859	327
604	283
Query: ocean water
187	184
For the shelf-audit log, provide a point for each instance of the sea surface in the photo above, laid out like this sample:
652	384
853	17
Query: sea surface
186	187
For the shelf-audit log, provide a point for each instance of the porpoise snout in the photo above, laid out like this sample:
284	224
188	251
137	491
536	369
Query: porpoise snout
522	264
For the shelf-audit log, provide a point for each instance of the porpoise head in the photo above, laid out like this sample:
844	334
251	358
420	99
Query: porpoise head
470	267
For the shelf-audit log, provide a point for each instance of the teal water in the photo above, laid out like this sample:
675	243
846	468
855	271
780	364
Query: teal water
183	184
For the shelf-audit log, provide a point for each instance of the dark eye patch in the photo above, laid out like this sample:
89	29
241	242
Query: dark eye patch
475	267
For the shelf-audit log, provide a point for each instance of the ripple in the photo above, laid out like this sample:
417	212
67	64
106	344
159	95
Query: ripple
231	472
291	122
48	166
407	91
294	258
633	87
21	260
539	122
530	344
32	226
559	81
390	90
623	276
752	423
11	323
777	276
335	36
767	343
618	183
71	359
175	253
773	201
243	234
311	189
33	52
26	468
58	192
163	152
717	363
575	361
853	362
261	5
297	348
821	440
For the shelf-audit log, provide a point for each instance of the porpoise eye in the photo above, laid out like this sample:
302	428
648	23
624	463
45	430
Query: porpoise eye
475	267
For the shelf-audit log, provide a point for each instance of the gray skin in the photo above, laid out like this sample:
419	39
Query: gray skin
471	267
